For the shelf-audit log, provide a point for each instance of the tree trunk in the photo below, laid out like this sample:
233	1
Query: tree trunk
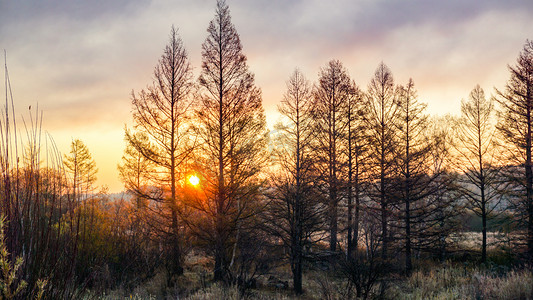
350	211
333	184
408	258
357	206
356	219
529	179
218	274
333	220
350	185
484	231
297	269
219	247
384	231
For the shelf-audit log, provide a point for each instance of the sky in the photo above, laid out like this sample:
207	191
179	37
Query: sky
78	61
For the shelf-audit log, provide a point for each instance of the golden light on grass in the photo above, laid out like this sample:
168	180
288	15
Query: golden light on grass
194	180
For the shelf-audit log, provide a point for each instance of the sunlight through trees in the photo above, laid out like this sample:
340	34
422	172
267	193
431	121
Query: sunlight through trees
355	193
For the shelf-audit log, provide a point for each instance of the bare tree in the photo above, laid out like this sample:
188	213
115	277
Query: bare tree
331	95
231	125
136	173
516	124
440	209
381	112
136	170
413	163
476	159
294	214
365	269
356	151
160	113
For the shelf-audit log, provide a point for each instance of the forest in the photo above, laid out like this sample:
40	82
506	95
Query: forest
357	193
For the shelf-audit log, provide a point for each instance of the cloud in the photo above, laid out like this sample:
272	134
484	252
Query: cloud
80	59
444	45
81	11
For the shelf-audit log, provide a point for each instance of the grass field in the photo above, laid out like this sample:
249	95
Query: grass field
430	280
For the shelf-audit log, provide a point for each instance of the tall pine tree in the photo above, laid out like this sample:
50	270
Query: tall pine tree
516	125
232	127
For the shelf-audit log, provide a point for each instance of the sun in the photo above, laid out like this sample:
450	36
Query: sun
194	180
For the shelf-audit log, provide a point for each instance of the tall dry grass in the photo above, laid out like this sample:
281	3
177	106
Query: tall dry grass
462	282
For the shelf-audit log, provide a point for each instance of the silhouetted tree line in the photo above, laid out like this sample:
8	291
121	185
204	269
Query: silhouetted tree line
359	179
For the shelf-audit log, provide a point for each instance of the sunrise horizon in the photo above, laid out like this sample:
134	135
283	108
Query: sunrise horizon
82	79
268	149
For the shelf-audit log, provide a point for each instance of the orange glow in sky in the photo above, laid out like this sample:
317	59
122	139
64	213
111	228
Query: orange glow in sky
91	56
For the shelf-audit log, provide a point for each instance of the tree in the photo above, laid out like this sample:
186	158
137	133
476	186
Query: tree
413	163
365	269
477	158
294	214
136	170
231	126
356	150
441	208
160	115
82	167
331	96
515	125
380	117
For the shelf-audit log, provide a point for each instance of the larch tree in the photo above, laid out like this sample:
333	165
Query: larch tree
294	212
413	165
355	155
331	95
381	113
82	167
443	206
161	115
232	128
476	158
515	125
136	170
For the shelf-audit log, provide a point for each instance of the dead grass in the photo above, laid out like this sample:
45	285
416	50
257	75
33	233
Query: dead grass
446	282
430	281
460	282
472	240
